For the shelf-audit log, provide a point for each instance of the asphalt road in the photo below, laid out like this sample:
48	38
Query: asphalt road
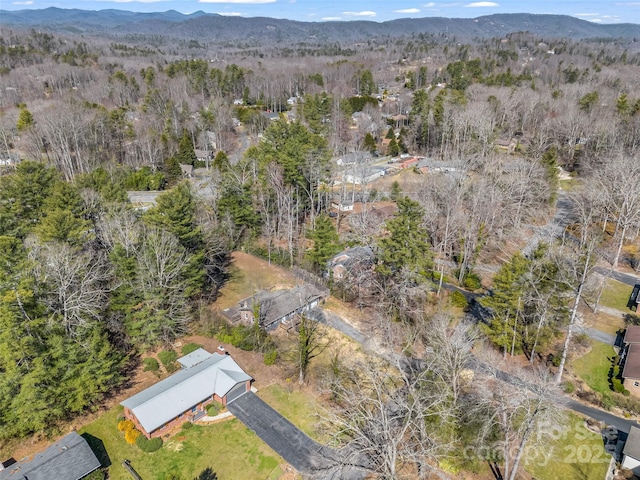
619	276
300	451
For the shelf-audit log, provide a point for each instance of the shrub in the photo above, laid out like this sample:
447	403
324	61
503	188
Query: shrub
131	436
168	359
95	475
148	446
617	385
472	281
187	425
458	299
270	357
190	347
150	365
568	387
125	425
213	409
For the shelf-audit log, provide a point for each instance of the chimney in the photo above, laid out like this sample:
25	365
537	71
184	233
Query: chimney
221	350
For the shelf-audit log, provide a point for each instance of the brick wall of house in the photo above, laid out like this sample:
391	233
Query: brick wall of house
179	420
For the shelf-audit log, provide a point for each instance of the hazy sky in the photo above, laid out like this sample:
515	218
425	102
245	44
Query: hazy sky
374	10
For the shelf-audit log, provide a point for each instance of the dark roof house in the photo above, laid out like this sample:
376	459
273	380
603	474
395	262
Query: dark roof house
70	458
204	377
634	298
631	451
352	260
187	170
274	307
630	359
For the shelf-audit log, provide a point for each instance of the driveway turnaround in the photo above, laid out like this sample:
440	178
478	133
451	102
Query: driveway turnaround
300	451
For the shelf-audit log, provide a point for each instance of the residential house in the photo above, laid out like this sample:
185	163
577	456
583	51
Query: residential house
384	146
187	170
9	159
430	165
630	358
634	298
203	155
506	144
631	451
271	116
408	162
205	377
365	175
381	212
70	458
354	158
273	307
143	199
342	204
351	262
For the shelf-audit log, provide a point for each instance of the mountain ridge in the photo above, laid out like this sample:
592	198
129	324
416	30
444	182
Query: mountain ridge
215	27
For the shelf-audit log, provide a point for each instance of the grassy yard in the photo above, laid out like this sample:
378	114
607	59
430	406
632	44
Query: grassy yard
616	295
568	452
594	367
604	322
248	275
298	407
231	449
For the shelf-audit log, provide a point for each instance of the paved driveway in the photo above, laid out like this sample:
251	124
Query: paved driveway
304	454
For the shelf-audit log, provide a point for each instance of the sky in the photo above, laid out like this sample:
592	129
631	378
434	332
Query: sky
345	10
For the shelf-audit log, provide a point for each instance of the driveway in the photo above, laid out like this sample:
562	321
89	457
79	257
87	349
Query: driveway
619	276
622	424
334	321
300	451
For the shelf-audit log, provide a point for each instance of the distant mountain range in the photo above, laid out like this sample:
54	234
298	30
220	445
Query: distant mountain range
213	27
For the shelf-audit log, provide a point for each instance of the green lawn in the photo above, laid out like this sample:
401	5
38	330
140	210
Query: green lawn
568	452
231	449
616	295
297	407
594	367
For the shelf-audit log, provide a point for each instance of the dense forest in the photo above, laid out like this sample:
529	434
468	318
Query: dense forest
89	280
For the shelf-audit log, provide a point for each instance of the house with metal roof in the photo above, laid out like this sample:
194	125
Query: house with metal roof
205	377
70	458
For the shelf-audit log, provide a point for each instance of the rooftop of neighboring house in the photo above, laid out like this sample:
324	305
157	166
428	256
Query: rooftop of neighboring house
632	445
70	458
632	363
632	335
275	305
352	256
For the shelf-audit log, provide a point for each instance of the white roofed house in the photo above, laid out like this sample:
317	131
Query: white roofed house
182	397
